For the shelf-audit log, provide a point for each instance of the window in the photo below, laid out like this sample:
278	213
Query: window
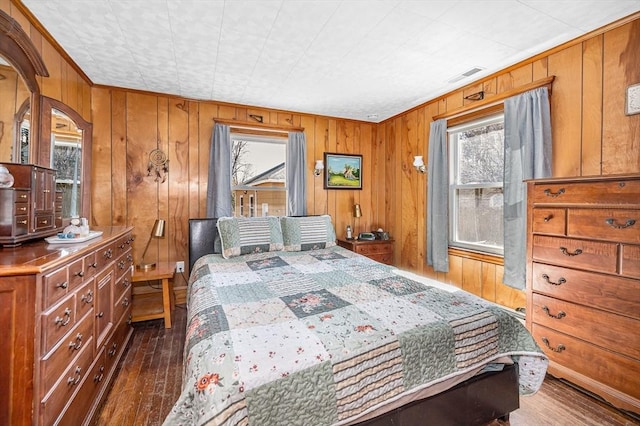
476	155
258	175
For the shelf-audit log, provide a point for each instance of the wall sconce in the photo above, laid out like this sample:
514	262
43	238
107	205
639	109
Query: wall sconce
418	163
357	212
319	167
156	232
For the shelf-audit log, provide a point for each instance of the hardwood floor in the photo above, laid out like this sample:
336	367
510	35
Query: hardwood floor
149	381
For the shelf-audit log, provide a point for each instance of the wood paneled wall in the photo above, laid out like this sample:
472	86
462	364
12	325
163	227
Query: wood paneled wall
591	136
128	125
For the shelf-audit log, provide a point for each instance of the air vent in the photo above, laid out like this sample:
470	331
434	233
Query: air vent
465	74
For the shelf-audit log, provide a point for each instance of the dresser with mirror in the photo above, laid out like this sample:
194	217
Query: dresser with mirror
65	308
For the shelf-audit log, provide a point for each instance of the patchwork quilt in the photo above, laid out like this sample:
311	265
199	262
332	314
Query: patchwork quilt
322	337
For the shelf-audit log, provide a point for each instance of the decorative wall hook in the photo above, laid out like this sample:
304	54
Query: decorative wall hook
158	165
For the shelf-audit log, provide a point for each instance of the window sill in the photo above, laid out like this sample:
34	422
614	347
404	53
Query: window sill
476	255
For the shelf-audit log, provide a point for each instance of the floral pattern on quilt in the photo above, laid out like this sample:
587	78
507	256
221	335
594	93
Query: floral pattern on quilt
321	337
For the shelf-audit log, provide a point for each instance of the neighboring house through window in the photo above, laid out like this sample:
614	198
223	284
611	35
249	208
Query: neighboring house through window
476	156
258	175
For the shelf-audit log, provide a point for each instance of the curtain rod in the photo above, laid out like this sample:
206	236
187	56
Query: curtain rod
258	126
497	98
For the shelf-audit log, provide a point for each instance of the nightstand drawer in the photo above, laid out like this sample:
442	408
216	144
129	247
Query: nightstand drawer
378	248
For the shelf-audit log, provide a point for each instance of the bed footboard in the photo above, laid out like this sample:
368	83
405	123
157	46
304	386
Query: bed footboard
476	401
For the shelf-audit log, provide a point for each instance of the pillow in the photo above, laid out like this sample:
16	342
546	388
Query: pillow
307	232
244	235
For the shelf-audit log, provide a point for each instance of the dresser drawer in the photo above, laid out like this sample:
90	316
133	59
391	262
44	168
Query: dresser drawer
55	285
549	221
124	263
63	391
607	330
590	255
58	360
621	295
104	256
57	322
602	193
44	221
121	305
76	412
22	209
605	224
85	298
616	371
20	225
103	305
117	342
630	265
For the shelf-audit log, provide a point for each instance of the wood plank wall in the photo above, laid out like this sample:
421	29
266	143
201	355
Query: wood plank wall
591	136
128	125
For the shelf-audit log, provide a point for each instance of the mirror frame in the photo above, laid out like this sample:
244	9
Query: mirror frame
16	47
44	155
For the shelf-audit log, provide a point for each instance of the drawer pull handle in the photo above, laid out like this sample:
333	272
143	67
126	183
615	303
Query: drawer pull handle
113	350
87	298
129	319
98	377
122	246
23	196
568	253
22	222
77	344
558	348
130	257
64	321
100	314
612	222
93	265
74	381
23	209
108	254
79	274
560	281
62	285
125	283
548	192
548	218
560	315
121	264
125	302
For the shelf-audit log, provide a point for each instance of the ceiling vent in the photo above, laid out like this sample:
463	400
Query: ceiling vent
465	74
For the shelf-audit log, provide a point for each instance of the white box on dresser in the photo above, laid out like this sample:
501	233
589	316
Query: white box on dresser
583	282
78	305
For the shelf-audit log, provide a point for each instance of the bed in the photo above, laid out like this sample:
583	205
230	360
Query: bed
286	328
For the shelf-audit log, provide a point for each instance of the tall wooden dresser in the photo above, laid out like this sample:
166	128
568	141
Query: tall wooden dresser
583	282
66	311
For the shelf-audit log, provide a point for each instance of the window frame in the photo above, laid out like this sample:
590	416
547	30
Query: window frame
252	206
454	187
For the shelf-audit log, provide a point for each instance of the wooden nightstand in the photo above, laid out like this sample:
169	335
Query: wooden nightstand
378	250
146	304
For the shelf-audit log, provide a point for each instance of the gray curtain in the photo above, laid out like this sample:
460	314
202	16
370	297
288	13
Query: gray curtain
219	182
437	198
296	174
527	155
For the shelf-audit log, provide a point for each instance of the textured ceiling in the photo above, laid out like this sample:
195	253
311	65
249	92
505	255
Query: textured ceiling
365	60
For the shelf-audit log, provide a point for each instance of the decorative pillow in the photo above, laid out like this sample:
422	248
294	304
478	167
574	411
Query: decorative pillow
244	235
307	232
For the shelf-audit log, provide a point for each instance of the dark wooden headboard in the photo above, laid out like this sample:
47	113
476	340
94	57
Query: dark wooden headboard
203	239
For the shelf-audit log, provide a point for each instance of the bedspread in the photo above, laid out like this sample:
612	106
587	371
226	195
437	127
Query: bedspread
323	337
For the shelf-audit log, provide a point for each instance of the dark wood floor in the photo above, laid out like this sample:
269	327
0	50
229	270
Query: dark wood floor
149	379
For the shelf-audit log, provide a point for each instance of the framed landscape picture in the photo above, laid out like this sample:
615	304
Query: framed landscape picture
342	171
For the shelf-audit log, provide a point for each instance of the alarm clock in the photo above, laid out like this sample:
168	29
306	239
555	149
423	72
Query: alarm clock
366	236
